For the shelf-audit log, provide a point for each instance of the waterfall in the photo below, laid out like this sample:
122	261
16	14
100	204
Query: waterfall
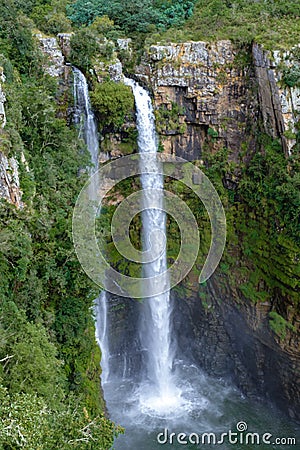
146	389
85	120
84	116
101	334
155	326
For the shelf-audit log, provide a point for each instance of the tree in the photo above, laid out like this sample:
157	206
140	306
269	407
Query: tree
112	102
133	15
27	422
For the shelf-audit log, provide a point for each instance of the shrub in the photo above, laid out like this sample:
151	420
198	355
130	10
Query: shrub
212	133
279	325
112	102
86	45
291	76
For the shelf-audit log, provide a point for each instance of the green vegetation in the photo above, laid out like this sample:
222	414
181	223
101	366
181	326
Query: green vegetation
168	119
263	239
93	43
115	259
112	102
27	422
290	68
261	259
275	24
212	133
271	184
291	76
133	15
279	325
49	16
50	394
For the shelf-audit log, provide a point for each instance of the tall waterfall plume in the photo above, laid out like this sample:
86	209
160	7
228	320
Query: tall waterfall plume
155	321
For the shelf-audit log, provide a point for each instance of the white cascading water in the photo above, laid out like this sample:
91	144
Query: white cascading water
102	335
85	120
155	328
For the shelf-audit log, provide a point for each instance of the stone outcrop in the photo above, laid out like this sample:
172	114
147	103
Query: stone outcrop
222	93
55	66
64	40
9	180
112	69
213	91
125	44
56	50
9	174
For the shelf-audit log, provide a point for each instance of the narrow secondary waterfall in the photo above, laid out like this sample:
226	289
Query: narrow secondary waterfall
102	335
85	120
155	327
84	116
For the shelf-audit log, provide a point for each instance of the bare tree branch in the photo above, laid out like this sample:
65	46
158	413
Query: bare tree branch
7	358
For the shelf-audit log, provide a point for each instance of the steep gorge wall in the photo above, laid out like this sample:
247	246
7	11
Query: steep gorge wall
227	98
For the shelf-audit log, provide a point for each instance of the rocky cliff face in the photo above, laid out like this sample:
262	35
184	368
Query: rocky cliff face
216	87
9	173
208	96
213	89
230	336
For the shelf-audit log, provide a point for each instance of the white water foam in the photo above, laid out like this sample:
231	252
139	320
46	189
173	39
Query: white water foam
158	393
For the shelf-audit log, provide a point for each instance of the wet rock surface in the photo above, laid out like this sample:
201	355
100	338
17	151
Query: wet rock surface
231	337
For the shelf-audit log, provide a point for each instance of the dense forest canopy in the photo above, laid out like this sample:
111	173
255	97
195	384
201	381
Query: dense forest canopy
133	15
267	21
49	360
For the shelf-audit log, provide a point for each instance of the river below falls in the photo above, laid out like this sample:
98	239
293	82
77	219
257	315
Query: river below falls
202	404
